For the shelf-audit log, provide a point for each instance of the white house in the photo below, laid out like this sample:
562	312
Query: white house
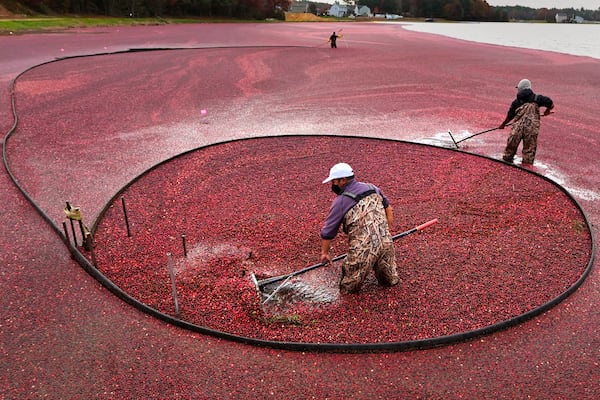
564	18
362	11
561	17
299	7
338	10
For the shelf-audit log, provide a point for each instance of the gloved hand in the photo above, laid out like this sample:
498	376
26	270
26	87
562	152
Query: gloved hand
325	258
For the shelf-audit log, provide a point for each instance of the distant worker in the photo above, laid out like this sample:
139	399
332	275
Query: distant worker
525	111
366	216
332	40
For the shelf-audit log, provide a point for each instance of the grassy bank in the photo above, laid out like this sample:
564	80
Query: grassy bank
39	24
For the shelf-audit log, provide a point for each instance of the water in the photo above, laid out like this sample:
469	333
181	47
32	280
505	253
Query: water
575	39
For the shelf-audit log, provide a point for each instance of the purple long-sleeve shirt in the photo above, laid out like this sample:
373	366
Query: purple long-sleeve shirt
342	203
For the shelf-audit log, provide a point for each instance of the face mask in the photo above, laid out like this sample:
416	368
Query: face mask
336	189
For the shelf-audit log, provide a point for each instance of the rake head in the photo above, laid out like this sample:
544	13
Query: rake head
289	291
452	137
294	292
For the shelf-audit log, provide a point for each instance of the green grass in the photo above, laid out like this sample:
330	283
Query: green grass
25	25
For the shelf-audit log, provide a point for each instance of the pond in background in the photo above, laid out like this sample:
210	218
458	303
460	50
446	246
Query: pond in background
575	39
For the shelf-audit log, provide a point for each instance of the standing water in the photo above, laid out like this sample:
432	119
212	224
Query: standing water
575	39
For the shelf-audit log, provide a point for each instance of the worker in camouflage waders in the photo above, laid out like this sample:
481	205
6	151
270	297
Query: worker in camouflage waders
365	215
524	111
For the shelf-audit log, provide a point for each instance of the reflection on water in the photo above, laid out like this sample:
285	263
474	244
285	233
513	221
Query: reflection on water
576	39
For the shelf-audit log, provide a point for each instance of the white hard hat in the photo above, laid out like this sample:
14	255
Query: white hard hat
341	170
524	84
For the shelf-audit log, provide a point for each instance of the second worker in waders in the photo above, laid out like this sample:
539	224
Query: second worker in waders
365	215
524	111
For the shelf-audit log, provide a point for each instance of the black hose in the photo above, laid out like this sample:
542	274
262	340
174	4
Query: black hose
297	346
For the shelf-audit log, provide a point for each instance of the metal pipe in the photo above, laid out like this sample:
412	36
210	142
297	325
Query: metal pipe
64	224
173	285
184	246
263	282
125	214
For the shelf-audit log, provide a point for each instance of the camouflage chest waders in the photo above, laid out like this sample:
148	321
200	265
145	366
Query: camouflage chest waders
526	128
370	246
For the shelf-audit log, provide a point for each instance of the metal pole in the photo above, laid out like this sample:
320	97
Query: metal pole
68	208
74	235
173	286
66	231
125	214
82	233
184	246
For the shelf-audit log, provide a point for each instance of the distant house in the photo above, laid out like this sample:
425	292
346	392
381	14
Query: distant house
578	20
362	11
338	10
564	18
299	7
561	17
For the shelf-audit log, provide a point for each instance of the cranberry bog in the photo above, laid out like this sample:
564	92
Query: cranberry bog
89	125
507	241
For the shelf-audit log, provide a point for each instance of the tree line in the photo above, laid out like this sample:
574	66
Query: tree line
458	10
545	14
471	10
247	9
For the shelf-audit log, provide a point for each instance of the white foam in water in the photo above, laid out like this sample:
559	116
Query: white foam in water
440	139
443	139
555	176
